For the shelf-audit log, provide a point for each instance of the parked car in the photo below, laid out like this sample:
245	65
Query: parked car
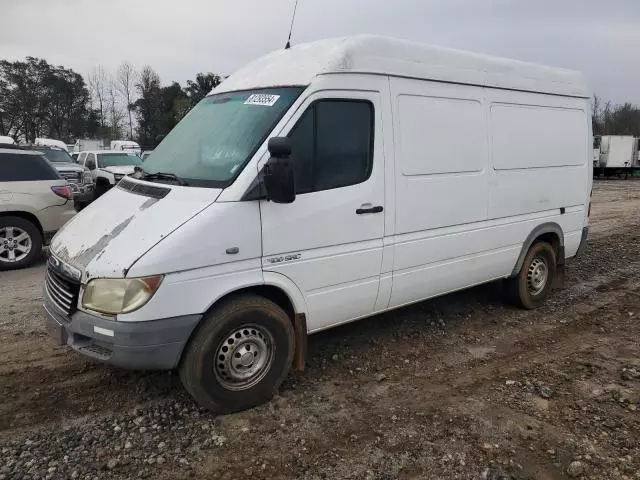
34	203
79	178
392	173
108	167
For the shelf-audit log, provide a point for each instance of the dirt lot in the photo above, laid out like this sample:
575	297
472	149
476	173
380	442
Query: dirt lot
460	387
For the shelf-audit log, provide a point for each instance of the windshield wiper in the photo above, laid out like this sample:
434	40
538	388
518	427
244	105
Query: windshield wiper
161	175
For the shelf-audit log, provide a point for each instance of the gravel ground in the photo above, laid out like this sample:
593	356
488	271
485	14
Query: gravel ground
463	386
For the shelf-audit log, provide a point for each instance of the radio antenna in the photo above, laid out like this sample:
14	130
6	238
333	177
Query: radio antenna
293	19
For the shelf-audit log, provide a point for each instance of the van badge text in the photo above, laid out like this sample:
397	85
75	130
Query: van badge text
285	258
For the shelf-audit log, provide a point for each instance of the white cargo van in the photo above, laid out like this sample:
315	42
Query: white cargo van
320	185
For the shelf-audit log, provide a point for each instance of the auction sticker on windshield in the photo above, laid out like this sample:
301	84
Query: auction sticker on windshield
263	99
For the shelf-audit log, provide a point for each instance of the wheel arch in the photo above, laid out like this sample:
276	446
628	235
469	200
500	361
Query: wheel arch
283	292
550	232
26	216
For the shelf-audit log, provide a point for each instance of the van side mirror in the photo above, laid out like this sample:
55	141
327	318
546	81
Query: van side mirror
278	172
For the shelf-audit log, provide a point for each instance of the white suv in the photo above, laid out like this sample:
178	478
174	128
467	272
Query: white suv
34	203
108	167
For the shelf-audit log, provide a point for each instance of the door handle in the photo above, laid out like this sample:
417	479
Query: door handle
376	209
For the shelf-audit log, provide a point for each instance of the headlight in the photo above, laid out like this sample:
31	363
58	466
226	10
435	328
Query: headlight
86	177
119	295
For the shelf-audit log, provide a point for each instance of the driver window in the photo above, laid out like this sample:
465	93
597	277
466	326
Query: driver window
91	161
332	145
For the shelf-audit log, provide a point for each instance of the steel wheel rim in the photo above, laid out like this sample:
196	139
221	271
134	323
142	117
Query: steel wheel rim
15	244
244	357
537	276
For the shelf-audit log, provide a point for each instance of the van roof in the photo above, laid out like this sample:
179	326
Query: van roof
386	56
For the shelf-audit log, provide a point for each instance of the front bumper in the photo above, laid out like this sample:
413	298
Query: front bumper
152	345
82	193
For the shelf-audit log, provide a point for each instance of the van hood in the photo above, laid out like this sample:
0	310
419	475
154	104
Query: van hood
106	238
120	169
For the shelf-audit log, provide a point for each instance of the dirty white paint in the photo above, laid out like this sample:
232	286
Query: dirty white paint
108	236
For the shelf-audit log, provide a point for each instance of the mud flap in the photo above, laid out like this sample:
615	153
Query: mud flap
300	328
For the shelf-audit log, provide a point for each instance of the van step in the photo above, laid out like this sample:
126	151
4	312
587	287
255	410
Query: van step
98	351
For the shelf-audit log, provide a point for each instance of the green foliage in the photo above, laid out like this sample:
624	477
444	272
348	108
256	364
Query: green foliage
204	83
159	109
42	100
615	119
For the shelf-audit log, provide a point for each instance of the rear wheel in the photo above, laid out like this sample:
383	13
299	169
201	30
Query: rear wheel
239	355
533	284
20	243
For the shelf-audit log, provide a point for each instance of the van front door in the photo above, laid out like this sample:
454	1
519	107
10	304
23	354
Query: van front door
329	241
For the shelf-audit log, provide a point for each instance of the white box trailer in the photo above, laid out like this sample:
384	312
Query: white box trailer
84	144
618	155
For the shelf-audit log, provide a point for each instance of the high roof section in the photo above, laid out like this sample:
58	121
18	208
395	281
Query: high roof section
379	55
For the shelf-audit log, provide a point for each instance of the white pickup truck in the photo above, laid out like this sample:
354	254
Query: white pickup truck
108	167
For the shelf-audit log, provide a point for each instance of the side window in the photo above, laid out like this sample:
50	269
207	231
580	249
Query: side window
16	167
91	161
81	158
332	145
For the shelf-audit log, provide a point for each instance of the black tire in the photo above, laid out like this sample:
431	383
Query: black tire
523	289
36	242
203	371
78	206
100	190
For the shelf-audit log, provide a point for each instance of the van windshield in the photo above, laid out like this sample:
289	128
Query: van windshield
214	141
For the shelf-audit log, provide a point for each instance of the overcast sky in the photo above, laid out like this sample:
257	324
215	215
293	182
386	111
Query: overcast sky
180	38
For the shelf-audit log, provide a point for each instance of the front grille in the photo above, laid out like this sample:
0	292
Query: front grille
62	292
72	177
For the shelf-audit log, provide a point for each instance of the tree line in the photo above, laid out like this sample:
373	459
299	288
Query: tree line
42	100
38	99
610	119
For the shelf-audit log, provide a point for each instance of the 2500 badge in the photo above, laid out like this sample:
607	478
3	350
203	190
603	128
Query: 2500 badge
285	258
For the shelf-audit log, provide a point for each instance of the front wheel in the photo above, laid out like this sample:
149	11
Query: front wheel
239	355
533	284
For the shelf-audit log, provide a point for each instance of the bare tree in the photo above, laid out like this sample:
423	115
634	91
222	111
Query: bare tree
98	85
114	112
126	79
596	115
